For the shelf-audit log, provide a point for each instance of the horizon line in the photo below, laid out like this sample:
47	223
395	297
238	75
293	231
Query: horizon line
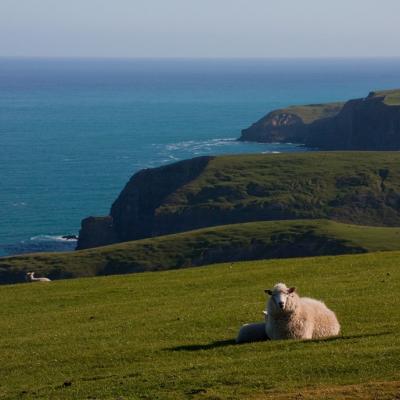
44	57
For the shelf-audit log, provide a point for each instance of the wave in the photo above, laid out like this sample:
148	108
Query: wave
19	204
200	144
40	243
164	153
49	238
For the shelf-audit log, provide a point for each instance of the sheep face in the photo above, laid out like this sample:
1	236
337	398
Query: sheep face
281	300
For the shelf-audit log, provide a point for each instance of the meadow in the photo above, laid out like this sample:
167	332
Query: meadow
170	334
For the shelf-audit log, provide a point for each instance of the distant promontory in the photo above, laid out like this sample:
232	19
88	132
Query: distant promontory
370	123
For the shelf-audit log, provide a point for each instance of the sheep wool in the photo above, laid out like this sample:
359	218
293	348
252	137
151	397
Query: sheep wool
294	317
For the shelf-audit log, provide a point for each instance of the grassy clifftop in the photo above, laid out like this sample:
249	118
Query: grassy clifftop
250	241
312	112
352	187
169	335
289	124
391	97
306	113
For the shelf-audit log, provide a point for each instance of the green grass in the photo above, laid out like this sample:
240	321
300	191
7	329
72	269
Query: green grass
312	112
391	97
342	185
269	239
169	335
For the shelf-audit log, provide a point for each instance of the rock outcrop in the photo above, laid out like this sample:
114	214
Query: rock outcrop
371	123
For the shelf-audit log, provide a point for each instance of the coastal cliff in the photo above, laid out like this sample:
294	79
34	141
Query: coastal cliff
134	213
289	124
354	187
370	123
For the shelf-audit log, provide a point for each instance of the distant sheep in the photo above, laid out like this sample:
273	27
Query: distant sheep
30	276
293	317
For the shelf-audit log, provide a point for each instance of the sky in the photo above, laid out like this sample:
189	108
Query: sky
200	28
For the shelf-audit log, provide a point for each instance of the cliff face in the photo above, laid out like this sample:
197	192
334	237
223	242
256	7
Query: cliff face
96	231
371	123
360	188
133	214
363	124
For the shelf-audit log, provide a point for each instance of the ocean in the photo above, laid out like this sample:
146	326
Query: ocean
73	131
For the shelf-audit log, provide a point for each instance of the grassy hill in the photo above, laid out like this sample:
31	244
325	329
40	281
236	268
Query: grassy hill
353	187
238	242
169	335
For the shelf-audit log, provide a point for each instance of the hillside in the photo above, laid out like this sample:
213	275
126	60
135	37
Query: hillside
353	187
169	335
238	242
370	123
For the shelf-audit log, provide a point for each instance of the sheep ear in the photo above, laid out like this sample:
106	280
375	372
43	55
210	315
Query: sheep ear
292	289
268	291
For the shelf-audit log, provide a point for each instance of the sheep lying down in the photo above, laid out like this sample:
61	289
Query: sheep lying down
289	316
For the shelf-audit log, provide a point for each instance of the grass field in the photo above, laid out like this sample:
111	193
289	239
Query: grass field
256	240
169	335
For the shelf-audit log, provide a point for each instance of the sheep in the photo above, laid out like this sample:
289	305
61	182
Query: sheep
30	276
293	317
252	333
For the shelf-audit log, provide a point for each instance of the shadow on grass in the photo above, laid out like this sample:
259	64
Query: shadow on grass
208	346
341	338
231	342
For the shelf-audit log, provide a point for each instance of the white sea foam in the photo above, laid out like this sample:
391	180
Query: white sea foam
170	152
19	204
51	238
200	144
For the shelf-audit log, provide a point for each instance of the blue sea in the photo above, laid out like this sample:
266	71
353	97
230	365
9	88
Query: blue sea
73	131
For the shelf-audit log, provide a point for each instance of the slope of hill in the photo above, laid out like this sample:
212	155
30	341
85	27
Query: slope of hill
353	187
237	242
169	335
370	123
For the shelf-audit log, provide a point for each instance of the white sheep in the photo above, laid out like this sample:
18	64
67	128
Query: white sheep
252	333
30	276
293	317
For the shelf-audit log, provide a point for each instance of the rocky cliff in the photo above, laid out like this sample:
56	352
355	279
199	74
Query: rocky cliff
355	187
371	123
134	214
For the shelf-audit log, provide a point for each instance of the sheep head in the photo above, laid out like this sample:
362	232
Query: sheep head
281	300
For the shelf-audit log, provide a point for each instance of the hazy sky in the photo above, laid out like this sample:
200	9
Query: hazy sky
200	28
